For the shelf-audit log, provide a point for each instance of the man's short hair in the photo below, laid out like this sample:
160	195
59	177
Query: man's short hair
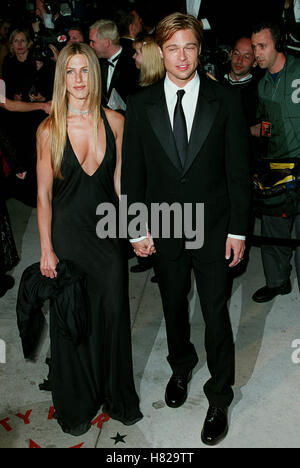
124	18
107	29
275	29
177	22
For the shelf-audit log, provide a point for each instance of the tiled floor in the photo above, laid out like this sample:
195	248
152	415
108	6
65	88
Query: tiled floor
266	409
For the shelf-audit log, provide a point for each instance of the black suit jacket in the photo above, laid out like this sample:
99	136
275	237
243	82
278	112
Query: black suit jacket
208	10
125	77
216	171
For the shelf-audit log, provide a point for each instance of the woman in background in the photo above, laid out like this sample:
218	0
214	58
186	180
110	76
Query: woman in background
148	60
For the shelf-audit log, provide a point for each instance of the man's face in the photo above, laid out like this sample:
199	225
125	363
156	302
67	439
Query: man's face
99	45
242	58
181	56
138	57
137	25
75	36
264	49
4	30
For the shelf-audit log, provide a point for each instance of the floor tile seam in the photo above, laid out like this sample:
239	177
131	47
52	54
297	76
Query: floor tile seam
142	294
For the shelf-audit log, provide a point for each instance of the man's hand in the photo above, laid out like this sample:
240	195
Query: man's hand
18	97
235	247
145	247
55	52
256	130
37	98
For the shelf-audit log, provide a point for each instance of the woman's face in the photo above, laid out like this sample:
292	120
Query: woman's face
77	78
138	56
20	45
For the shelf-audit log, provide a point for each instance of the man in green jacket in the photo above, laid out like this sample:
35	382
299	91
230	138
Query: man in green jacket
279	107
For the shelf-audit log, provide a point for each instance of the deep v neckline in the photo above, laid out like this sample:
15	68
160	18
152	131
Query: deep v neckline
78	162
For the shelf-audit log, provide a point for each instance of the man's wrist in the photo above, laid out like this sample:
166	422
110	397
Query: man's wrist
234	236
139	239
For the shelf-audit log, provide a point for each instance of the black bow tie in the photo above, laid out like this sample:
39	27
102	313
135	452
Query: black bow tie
111	63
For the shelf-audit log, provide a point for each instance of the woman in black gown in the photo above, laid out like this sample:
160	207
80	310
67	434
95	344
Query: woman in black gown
79	151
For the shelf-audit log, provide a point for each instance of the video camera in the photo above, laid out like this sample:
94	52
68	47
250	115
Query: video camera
41	50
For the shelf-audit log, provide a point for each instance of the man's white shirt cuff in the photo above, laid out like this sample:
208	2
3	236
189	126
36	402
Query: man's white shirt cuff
233	236
139	239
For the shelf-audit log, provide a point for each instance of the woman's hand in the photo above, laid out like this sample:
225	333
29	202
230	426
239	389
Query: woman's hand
48	264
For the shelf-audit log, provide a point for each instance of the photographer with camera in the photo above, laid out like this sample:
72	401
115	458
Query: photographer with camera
279	111
43	80
50	29
51	13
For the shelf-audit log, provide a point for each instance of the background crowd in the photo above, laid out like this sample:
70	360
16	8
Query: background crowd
32	33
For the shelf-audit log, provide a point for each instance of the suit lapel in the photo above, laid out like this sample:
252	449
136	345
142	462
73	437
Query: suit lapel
160	121
206	111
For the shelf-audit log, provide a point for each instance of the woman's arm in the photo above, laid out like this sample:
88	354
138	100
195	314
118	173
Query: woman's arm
44	202
116	121
20	106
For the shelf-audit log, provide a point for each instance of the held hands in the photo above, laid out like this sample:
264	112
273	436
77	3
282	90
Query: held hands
48	264
235	247
145	247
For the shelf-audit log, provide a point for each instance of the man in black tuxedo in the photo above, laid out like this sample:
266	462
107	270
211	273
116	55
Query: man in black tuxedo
118	68
207	12
191	149
129	25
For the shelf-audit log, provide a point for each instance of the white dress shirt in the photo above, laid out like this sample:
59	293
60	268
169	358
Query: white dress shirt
297	10
192	8
111	70
189	100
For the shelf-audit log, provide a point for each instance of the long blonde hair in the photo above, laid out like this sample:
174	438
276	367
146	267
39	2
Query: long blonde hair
57	120
152	66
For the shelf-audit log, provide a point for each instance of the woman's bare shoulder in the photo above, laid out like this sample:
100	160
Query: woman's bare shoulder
115	119
43	134
43	131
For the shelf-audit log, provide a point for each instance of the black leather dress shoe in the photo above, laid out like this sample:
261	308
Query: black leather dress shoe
176	391
266	294
215	426
6	282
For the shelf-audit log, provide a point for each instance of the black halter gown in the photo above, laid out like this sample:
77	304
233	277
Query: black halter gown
99	371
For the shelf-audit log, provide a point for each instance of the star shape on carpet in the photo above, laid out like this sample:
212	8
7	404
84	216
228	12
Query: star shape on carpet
119	438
